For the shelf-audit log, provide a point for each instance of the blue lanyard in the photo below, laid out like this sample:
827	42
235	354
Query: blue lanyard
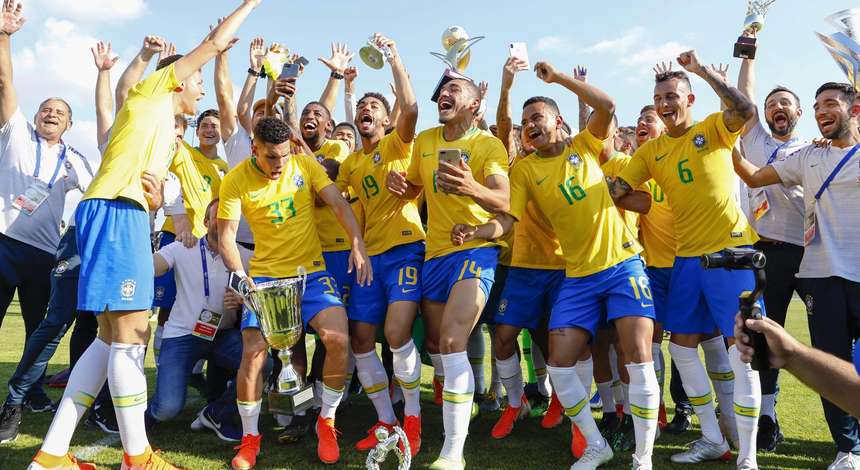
39	161
836	171
776	150
205	267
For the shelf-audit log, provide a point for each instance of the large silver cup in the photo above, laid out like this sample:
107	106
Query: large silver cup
843	46
278	307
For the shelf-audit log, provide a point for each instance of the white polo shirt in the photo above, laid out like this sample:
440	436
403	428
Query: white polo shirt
784	220
238	149
835	251
191	299
19	170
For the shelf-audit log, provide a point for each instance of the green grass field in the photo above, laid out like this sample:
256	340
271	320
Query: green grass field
807	442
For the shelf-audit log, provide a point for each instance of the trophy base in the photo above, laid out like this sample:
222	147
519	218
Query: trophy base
291	403
745	48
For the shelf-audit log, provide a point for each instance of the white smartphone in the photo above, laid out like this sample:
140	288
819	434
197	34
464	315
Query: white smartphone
520	51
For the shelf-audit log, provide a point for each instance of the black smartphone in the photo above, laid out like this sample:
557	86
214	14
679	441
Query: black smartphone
239	285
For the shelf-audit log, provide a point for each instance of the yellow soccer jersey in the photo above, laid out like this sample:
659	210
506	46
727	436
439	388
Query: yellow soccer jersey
200	178
534	244
696	173
280	214
390	221
570	190
142	139
484	154
657	230
612	168
332	235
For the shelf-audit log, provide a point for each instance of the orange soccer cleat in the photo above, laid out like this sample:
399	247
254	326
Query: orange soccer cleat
370	441
554	413
509	417
45	461
327	448
148	460
577	442
249	449
412	428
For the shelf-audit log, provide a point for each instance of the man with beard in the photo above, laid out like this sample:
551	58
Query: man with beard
395	243
38	169
776	213
830	270
691	163
276	190
456	280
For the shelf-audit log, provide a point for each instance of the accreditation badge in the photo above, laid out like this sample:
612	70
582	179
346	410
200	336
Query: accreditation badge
32	197
207	325
809	227
760	204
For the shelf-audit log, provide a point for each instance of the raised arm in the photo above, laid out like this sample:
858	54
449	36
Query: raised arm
104	98
581	73
603	105
337	63
746	81
224	95
504	116
221	38
349	99
739	109
406	102
12	19
136	68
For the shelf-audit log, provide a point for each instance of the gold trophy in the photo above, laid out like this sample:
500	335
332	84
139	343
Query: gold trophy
756	10
278	307
457	45
842	45
373	55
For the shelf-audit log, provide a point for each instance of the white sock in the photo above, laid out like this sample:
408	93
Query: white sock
617	391
768	406
456	404
570	393
512	378
475	351
719	370
747	401
407	370
249	411
374	380
87	378
156	343
659	366
604	389
698	389
128	390
625	389
331	398
543	382
438	368
585	371
644	405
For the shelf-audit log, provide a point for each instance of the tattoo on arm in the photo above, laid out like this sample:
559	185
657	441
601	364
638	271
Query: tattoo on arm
739	109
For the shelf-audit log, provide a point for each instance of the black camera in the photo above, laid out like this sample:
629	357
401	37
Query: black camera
746	258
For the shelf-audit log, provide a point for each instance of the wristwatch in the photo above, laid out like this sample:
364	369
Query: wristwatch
337	75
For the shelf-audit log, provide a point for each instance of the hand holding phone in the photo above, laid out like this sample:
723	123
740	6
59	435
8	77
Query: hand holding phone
518	50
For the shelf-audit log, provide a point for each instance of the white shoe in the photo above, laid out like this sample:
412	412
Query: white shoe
729	428
845	461
747	464
593	457
641	465
703	450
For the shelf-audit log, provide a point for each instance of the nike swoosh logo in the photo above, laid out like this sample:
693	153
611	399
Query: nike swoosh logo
352	171
425	155
406	291
657	159
541	180
646	305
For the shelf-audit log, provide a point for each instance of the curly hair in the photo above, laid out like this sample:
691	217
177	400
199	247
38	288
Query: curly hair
272	131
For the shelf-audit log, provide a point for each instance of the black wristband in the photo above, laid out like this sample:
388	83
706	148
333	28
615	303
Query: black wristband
255	73
337	76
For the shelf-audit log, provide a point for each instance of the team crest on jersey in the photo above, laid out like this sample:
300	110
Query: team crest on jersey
320	158
809	303
299	181
62	266
574	160
465	157
159	293
699	141
377	158
126	289
503	305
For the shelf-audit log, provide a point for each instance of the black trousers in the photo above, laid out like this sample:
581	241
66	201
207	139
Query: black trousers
833	311
783	262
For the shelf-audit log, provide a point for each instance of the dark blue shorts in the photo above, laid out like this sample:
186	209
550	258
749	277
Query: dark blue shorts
528	297
337	265
441	273
165	285
616	292
116	271
660	279
396	278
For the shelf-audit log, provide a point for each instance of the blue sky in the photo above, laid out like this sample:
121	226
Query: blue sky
619	42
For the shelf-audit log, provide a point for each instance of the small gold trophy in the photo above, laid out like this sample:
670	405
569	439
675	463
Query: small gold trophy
457	46
756	10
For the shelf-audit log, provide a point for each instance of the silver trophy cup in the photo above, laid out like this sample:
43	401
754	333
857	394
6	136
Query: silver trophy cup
842	45
277	305
390	442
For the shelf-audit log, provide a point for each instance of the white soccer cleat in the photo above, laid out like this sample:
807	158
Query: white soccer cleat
594	457
845	461
703	450
641	465
746	464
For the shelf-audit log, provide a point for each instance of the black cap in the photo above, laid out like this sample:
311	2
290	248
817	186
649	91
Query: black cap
447	77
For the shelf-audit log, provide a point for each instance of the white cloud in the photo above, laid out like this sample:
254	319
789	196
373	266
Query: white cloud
107	11
618	45
651	55
554	44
